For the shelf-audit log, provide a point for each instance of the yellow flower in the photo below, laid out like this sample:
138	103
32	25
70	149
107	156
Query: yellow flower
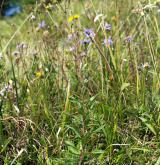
73	17
76	16
38	73
114	18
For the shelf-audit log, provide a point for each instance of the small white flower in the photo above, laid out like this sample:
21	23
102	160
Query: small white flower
33	17
97	17
145	65
1	55
125	60
2	92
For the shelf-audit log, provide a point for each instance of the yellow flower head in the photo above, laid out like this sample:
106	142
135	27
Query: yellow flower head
38	73
73	17
114	18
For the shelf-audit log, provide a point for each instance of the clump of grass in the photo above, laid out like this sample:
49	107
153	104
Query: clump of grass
81	85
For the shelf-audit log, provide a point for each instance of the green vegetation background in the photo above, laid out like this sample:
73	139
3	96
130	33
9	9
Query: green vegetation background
60	106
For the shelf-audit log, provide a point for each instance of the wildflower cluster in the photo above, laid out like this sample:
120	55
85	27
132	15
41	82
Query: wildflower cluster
89	34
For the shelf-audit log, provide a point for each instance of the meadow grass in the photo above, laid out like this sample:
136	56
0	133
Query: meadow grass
80	84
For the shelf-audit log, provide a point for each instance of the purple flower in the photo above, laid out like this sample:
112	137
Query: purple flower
108	42
85	41
42	24
129	39
107	27
89	33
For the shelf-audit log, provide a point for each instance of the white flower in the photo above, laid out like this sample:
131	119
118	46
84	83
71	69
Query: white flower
33	17
97	17
1	55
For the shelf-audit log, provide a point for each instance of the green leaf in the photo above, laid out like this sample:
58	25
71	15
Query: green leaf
141	149
74	130
158	46
74	150
149	125
69	143
124	86
99	129
158	161
5	144
96	151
